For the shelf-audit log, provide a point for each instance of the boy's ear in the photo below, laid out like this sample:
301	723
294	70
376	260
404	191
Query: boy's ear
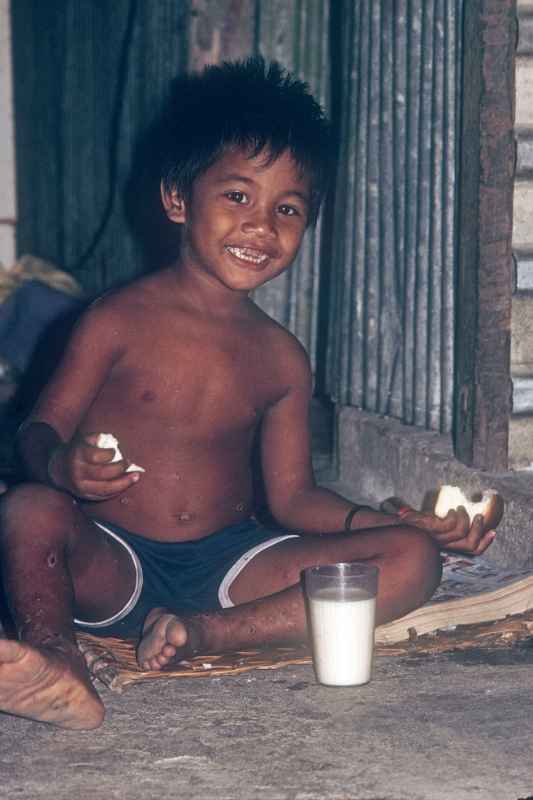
173	204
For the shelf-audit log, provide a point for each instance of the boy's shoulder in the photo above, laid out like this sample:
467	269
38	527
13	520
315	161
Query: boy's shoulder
281	342
132	298
116	317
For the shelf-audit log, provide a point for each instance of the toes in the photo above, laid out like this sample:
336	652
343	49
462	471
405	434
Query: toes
163	637
168	651
160	659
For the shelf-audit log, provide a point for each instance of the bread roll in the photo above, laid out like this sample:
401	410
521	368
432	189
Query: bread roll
490	505
107	440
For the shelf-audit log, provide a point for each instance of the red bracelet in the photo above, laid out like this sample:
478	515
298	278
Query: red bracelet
403	511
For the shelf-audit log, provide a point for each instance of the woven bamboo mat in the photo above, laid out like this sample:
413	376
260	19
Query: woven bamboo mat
112	661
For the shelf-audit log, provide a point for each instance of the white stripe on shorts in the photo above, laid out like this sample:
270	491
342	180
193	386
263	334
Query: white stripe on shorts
132	602
237	568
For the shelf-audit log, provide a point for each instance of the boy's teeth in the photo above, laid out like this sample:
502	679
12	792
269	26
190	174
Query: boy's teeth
247	255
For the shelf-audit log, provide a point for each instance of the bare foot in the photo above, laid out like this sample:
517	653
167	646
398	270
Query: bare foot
47	686
165	638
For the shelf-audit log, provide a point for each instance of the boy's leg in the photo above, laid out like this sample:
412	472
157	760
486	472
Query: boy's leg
269	605
56	564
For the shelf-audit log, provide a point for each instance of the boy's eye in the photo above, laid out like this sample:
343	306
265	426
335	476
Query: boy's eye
237	197
288	211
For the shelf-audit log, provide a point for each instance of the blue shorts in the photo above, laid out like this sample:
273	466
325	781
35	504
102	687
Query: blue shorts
182	576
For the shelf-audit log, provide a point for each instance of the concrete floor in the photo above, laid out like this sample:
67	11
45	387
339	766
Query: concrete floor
456	727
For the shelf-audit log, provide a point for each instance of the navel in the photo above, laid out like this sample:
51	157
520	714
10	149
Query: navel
184	516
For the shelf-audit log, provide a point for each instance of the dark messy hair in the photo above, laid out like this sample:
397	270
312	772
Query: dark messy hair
249	105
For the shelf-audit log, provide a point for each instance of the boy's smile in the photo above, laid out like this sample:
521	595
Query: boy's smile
248	255
244	221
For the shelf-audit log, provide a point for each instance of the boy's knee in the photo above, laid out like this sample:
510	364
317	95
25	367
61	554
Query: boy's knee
424	555
32	508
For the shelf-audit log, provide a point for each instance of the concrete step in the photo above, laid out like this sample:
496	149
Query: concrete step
523	395
525	28
523	261
379	457
524	153
522	205
522	334
521	443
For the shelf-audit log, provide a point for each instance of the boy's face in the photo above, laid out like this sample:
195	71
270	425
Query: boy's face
245	219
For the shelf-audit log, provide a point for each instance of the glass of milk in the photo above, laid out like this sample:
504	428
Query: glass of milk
341	609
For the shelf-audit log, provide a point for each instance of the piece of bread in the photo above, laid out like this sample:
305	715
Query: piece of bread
489	504
109	441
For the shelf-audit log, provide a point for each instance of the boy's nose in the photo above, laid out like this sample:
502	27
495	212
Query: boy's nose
259	221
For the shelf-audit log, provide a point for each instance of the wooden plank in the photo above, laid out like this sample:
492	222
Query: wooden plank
483	383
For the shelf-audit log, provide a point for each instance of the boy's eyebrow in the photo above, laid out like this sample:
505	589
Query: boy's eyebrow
235	176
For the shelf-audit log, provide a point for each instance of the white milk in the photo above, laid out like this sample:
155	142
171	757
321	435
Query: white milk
343	636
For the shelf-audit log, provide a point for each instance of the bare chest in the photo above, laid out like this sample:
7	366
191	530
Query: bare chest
209	385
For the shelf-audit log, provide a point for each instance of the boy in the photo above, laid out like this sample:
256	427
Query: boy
183	369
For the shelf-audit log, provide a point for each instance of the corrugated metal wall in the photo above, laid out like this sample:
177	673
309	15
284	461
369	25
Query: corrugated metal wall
89	76
372	291
395	237
296	33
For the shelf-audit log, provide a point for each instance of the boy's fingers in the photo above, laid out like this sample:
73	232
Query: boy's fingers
458	541
101	455
104	489
447	523
456	523
475	543
486	540
462	528
462	520
95	454
106	471
477	534
458	533
447	539
92	439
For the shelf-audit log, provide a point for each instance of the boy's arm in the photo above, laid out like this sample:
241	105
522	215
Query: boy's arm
49	447
293	496
36	441
299	504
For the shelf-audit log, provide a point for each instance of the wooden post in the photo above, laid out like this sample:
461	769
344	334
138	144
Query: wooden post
484	285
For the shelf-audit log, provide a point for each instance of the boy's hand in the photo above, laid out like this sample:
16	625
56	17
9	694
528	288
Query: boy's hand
85	470
453	532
